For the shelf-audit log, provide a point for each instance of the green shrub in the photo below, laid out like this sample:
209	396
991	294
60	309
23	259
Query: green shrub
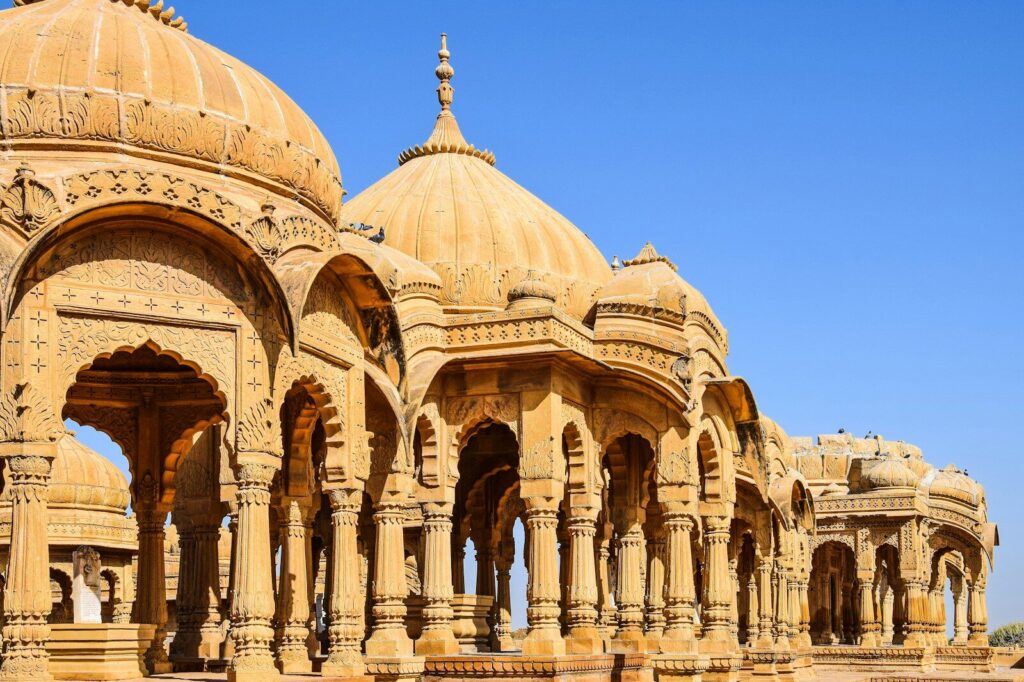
1008	635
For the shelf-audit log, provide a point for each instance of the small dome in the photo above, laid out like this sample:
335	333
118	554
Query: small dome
124	76
650	283
888	473
449	207
954	484
82	478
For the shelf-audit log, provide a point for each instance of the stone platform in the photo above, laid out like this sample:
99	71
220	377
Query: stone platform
899	659
98	651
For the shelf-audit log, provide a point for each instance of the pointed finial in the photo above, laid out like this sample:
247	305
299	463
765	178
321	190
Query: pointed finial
444	72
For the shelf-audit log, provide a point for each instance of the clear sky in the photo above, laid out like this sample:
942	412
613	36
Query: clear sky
843	180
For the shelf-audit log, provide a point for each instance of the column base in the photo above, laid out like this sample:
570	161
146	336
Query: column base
679	667
585	640
437	642
543	642
389	669
632	642
252	675
390	643
345	670
297	664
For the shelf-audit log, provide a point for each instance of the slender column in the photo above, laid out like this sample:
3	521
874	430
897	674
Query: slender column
781	609
887	613
605	605
229	641
937	607
655	591
252	607
581	613
679	590
805	612
484	570
389	637
437	637
960	615
716	612
293	592
764	577
207	605
794	612
977	614
870	631
916	613
629	591
753	634
543	590
734	611
346	605
459	569
27	590
186	637
501	637
151	598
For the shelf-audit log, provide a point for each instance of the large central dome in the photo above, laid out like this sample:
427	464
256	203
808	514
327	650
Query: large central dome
449	207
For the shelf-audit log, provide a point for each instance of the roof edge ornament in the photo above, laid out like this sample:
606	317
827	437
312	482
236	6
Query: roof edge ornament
446	138
649	254
156	10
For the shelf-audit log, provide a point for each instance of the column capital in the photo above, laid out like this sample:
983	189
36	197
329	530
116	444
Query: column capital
254	475
437	510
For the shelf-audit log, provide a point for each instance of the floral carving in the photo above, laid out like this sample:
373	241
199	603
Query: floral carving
259	429
27	202
26	416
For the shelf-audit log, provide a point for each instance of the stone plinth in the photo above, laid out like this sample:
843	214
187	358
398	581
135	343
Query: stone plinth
87	651
565	668
469	622
973	658
679	667
885	658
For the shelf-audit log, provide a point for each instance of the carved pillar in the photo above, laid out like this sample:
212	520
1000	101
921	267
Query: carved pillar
151	597
484	569
870	630
344	629
252	607
916	613
186	637
753	623
437	637
543	591
781	590
389	637
764	577
293	592
228	647
581	615
887	616
458	569
718	604
960	615
937	607
629	592
501	637
206	607
125	603
734	611
655	590
605	603
977	614
27	590
805	612
679	590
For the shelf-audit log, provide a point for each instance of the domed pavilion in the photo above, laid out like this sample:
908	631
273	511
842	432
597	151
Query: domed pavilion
325	407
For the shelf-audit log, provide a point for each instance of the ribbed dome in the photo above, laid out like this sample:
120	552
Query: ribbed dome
81	478
952	483
449	207
889	473
125	76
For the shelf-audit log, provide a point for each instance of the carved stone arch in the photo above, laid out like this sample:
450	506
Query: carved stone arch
171	217
475	503
611	424
375	320
427	455
510	507
465	416
323	386
711	465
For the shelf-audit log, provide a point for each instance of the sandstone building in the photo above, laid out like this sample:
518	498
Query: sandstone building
331	402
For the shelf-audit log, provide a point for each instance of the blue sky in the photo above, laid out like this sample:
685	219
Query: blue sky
844	181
